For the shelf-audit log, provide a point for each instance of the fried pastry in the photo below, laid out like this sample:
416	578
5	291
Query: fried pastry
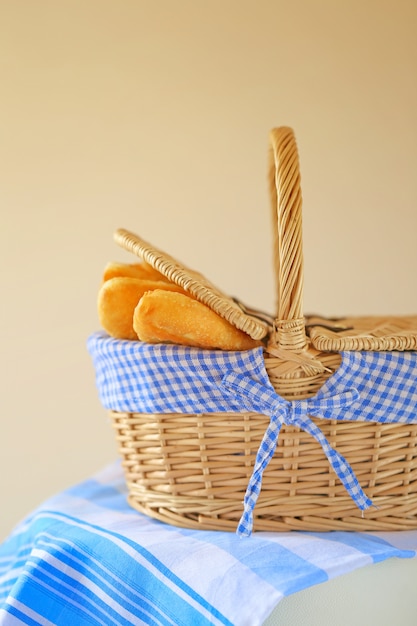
117	299
143	270
163	316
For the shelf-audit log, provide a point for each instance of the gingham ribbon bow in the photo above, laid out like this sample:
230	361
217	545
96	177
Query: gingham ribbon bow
256	396
368	386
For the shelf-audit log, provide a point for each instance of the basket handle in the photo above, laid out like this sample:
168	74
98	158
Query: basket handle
286	201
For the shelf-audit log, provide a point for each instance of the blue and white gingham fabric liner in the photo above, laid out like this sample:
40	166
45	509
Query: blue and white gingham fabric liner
145	378
86	558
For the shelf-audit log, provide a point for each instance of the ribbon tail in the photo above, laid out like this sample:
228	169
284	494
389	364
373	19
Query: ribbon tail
349	480
342	468
265	453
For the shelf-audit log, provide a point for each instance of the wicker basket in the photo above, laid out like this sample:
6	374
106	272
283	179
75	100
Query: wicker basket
193	470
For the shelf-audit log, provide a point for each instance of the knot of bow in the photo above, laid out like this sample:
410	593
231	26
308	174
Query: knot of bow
262	399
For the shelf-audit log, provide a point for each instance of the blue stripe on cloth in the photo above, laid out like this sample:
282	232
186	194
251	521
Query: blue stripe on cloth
14	554
367	543
270	561
42	581
46	598
23	618
122	608
105	496
177	603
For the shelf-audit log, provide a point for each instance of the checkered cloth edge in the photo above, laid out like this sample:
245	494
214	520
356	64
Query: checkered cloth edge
145	378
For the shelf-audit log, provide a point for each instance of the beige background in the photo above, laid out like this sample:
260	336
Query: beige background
154	116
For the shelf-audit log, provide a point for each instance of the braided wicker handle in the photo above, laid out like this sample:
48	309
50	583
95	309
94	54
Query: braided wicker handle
286	200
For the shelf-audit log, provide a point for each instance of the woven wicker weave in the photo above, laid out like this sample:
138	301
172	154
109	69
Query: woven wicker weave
193	470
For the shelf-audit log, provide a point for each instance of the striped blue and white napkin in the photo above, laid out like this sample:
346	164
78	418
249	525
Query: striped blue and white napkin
86	558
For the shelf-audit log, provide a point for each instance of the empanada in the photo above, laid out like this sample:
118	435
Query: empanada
163	316
117	299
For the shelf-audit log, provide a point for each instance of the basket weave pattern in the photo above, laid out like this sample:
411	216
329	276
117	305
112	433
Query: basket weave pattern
193	470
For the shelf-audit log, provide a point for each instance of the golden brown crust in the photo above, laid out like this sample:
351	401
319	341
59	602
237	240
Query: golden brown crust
163	316
117	299
143	270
